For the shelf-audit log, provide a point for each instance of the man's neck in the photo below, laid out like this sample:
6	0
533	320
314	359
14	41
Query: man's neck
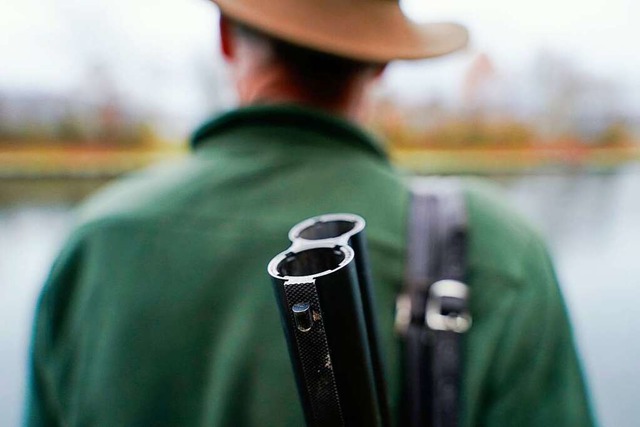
274	86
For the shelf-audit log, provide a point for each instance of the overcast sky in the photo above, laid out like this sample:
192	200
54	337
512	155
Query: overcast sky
156	51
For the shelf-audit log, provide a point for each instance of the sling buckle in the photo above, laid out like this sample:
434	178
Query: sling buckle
447	307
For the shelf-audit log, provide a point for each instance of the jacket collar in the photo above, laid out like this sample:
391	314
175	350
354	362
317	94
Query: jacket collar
289	115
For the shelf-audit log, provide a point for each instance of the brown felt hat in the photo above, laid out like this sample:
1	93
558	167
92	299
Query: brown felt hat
368	30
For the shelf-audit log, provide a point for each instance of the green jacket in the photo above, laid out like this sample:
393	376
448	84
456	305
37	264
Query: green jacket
159	310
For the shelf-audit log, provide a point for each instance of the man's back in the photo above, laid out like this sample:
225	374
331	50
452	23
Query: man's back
160	311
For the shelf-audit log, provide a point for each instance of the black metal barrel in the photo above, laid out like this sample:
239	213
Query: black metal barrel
349	229
321	309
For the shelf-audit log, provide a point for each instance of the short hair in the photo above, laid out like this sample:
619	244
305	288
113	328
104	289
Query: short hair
323	75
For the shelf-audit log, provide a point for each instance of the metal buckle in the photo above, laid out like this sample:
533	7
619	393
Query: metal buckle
435	319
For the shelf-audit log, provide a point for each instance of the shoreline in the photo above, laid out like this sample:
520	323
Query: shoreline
67	161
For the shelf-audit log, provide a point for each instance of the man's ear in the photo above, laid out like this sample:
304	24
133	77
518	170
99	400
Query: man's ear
380	70
226	37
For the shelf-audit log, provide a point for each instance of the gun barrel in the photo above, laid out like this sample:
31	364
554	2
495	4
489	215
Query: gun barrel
320	305
349	229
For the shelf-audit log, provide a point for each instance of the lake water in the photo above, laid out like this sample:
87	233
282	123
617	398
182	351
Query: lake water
592	223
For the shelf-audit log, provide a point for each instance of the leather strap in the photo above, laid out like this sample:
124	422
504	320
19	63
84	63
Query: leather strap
432	312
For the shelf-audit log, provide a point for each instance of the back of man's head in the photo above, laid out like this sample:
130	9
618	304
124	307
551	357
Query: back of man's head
275	68
369	32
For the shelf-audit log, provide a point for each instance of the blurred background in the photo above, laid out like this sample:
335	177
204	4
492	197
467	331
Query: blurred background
545	102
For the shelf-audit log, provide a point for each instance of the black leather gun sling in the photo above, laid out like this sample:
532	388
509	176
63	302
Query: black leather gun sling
432	312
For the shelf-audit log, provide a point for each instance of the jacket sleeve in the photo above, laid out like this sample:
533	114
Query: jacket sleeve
46	371
538	381
38	412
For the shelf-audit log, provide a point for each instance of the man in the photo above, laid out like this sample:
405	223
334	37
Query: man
159	310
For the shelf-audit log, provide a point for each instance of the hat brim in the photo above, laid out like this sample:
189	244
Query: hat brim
374	31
